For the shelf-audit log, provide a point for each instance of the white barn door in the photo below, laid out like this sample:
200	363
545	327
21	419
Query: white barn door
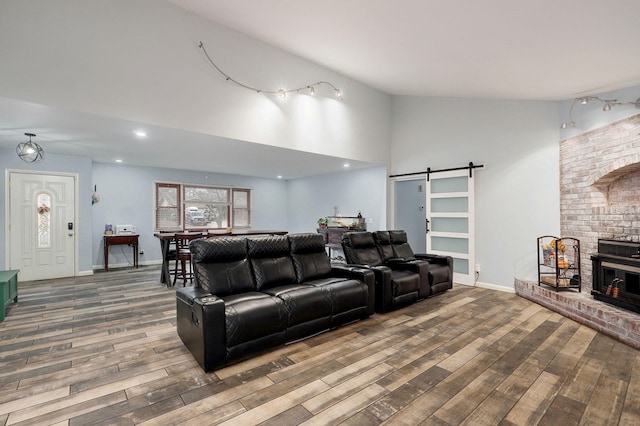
450	220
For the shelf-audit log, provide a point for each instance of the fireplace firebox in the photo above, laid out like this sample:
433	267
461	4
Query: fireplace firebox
616	273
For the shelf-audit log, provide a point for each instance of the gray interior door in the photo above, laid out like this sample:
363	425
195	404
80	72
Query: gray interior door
410	212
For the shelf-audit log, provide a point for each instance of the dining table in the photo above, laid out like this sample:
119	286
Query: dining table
167	238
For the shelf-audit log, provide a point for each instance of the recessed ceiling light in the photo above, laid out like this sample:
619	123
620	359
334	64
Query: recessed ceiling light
140	133
118	161
346	165
279	176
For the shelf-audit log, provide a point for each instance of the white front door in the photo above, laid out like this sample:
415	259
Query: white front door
42	225
450	216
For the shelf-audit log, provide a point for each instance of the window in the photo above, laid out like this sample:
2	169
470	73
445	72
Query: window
202	207
168	206
241	211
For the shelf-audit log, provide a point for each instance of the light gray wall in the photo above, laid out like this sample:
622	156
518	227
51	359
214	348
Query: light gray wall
53	163
517	193
351	191
127	197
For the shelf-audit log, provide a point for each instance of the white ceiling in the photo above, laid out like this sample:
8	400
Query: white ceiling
107	140
498	49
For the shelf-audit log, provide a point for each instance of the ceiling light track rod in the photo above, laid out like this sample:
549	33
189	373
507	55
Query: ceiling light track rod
310	88
607	104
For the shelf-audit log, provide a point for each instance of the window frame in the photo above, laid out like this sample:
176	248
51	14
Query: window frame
247	209
177	207
182	206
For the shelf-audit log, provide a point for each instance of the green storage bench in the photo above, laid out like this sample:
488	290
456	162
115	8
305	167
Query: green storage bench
8	289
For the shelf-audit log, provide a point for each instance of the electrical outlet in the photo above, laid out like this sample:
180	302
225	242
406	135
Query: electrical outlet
477	267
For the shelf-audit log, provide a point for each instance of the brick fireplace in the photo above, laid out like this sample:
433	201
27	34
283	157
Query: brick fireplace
600	188
599	198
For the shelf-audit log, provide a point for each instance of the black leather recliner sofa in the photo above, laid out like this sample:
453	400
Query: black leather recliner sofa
255	293
397	283
394	247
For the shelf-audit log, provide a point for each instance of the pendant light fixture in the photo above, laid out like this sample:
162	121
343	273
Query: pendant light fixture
30	152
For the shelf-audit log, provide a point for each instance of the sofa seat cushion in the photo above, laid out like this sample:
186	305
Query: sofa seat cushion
349	298
439	273
404	282
253	315
303	302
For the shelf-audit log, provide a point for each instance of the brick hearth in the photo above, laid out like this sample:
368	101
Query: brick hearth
620	324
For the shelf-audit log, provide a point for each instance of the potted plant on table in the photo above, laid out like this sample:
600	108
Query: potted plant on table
322	222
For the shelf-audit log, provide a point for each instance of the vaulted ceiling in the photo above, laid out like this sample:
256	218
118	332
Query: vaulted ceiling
498	49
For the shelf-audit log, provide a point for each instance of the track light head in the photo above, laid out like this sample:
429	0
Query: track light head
607	105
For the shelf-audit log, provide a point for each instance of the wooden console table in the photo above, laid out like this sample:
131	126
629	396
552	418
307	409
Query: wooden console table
8	289
112	240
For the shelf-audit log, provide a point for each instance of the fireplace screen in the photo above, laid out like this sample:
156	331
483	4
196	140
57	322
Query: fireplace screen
616	273
559	262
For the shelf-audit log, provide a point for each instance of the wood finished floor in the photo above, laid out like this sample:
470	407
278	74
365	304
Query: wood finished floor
104	350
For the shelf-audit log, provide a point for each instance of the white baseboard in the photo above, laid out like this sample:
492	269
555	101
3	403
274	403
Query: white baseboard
495	287
128	265
84	273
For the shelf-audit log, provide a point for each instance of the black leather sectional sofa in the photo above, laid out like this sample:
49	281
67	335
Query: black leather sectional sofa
255	293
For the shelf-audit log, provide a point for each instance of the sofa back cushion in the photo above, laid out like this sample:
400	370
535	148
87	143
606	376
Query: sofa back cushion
310	259
383	242
220	265
401	247
360	248
271	261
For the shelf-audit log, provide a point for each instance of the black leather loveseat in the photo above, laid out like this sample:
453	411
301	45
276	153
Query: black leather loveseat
402	277
397	283
255	293
394	247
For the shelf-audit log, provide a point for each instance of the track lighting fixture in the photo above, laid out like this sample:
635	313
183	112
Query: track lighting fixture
607	104
30	152
282	93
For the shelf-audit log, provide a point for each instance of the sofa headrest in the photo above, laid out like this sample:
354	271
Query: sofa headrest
398	237
218	250
401	247
309	257
358	240
221	265
382	237
268	246
306	243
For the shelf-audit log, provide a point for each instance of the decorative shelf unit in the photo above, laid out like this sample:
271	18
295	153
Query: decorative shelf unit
559	262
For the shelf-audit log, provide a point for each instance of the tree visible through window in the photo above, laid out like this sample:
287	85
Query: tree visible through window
203	207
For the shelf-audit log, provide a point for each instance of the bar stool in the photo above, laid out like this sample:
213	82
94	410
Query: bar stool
183	255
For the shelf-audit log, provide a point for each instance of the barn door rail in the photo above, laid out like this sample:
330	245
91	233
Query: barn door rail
429	171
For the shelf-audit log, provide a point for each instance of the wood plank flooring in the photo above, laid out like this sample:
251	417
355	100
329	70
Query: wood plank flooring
104	350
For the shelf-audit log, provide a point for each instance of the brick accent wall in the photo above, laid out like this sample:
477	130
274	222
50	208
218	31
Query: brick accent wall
600	188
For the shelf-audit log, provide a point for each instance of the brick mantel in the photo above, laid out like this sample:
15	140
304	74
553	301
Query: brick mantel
599	181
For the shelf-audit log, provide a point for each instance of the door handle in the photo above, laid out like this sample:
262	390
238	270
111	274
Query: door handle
427	226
